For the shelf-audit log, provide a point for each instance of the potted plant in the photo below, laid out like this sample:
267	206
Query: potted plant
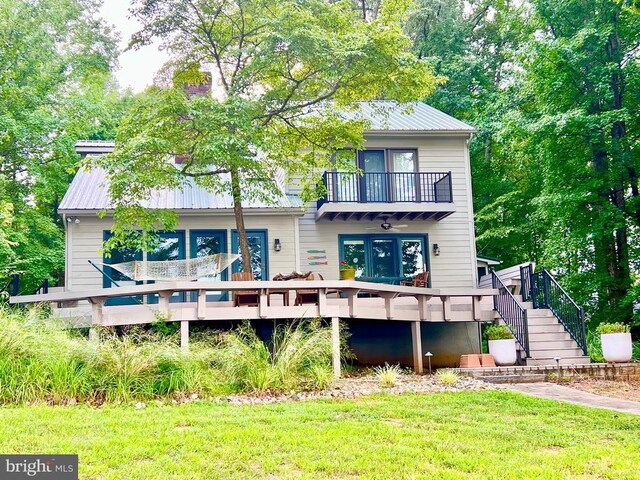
502	344
347	271
616	342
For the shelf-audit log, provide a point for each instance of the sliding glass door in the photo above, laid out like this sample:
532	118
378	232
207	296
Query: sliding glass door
203	243
170	247
259	253
386	258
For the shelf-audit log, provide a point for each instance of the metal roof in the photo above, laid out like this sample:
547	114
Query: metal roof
88	192
94	147
391	116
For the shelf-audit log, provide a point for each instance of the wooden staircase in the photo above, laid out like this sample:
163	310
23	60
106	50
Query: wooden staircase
547	337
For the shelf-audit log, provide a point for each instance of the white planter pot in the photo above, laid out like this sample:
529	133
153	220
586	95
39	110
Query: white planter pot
503	351
616	347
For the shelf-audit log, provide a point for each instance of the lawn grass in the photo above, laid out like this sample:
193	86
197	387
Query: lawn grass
491	434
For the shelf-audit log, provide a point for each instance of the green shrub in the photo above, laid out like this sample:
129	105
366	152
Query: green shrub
606	328
498	332
447	376
40	361
299	357
387	375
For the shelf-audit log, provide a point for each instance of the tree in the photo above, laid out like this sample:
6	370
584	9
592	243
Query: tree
284	70
55	62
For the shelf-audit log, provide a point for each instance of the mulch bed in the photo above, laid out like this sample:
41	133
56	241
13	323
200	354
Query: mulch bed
352	387
608	388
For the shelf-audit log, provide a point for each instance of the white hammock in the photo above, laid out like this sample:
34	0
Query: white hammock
167	270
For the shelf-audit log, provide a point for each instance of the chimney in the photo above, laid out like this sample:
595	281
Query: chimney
202	88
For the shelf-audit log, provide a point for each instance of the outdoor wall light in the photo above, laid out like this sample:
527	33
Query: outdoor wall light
73	220
436	249
277	246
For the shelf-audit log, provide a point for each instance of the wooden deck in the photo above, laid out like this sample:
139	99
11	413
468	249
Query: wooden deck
371	301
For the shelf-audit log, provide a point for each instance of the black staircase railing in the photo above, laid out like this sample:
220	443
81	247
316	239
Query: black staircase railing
13	287
543	290
43	289
511	312
388	187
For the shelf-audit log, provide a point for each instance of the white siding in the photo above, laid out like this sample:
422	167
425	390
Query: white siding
85	243
455	266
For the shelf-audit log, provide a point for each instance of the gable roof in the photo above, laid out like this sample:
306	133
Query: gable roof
88	190
414	117
88	193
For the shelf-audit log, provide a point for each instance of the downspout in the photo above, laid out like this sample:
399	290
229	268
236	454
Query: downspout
67	253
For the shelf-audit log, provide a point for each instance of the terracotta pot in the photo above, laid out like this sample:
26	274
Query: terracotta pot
503	351
348	274
616	347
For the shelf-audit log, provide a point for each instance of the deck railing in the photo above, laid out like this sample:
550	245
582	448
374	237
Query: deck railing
388	187
544	291
513	315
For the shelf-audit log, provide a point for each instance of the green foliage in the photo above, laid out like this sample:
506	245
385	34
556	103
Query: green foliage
299	355
54	89
551	88
281	83
42	362
606	328
498	332
387	375
447	376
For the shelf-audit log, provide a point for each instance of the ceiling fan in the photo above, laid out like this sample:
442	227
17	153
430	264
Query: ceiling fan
386	226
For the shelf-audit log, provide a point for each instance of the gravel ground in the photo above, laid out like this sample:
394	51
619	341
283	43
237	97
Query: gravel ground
353	387
608	388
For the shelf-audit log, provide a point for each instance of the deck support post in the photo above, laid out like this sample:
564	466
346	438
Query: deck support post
163	302
446	307
423	307
388	303
477	313
416	340
96	317
202	304
184	335
335	346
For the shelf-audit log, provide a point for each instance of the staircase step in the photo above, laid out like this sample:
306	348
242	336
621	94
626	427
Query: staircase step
546	328
540	313
549	352
578	360
559	344
548	336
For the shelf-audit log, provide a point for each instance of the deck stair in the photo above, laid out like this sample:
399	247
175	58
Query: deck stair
541	331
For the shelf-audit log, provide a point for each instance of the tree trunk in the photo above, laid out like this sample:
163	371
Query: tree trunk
236	193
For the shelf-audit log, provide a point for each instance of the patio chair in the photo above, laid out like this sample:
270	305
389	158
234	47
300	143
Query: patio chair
420	280
309	295
245	297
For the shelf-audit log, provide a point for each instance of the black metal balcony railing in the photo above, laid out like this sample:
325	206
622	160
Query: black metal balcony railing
388	187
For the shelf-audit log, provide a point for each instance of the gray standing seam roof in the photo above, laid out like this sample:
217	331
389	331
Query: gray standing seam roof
387	115
88	191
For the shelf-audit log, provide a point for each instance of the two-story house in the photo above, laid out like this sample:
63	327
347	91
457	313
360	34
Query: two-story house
410	211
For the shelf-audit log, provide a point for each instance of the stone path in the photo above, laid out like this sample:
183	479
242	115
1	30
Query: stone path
571	395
